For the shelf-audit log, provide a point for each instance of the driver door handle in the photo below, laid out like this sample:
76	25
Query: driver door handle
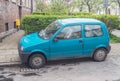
81	41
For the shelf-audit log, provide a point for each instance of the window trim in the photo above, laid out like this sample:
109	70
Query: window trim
94	36
70	26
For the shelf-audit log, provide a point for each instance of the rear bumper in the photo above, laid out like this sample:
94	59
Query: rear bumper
108	49
23	56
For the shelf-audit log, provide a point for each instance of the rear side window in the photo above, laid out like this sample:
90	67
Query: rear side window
93	31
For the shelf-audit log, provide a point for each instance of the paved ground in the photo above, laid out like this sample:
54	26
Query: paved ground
8	48
68	70
11	42
65	70
116	32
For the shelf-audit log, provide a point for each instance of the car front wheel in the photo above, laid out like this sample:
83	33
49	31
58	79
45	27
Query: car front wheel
36	61
100	55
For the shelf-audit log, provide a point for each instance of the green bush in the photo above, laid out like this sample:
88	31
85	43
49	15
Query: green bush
57	13
34	23
114	39
80	13
47	13
111	21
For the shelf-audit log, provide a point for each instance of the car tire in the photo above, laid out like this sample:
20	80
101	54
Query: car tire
36	61
100	55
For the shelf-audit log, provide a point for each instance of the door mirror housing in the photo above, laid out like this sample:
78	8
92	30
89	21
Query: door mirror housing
55	39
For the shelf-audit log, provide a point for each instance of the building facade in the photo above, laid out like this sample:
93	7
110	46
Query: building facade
10	10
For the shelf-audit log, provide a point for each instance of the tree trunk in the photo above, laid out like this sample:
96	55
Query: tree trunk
89	9
119	9
119	6
81	8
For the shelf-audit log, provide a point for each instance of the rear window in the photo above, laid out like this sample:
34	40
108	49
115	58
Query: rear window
93	31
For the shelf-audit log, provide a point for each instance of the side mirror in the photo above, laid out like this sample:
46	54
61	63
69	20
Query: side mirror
55	39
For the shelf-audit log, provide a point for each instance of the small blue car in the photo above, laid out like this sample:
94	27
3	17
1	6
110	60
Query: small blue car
66	38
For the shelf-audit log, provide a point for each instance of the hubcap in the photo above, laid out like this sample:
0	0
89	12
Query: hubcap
100	54
37	61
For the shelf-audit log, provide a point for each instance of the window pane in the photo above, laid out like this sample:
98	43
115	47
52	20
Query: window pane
93	30
70	32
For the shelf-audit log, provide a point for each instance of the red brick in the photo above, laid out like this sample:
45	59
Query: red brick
9	12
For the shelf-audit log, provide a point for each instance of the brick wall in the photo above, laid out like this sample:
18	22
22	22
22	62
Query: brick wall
9	12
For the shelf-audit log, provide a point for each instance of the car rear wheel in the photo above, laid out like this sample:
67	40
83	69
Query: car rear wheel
100	55
36	61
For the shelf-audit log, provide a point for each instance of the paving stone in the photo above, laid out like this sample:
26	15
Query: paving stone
8	48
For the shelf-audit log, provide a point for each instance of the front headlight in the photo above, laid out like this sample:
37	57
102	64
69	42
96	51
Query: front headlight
22	48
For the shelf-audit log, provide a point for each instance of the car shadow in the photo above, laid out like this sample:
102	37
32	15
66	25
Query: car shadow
68	61
49	64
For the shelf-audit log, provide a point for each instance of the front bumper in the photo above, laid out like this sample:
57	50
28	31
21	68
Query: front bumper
23	56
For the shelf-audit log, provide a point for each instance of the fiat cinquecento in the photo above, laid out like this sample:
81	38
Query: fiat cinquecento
66	38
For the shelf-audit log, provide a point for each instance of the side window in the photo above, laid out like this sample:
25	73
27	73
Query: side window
93	31
70	32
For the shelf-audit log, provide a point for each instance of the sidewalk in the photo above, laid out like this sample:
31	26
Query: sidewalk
116	32
8	49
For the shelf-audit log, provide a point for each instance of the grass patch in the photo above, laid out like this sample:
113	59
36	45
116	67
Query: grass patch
114	39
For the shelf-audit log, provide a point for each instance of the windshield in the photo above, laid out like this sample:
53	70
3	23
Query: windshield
49	31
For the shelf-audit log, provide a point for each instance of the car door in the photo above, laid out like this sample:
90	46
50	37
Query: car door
67	43
93	37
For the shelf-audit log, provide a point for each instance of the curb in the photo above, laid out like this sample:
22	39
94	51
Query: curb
3	64
7	33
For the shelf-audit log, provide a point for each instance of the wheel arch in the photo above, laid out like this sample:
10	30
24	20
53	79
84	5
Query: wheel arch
37	52
97	49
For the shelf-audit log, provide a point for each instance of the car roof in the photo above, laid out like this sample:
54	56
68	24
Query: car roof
78	20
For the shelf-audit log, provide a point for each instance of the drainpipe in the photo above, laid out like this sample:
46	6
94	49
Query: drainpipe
20	13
